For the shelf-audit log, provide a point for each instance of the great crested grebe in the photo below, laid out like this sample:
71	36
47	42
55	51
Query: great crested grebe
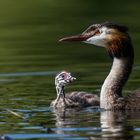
72	99
117	42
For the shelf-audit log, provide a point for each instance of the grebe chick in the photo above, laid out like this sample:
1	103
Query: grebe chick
116	40
72	99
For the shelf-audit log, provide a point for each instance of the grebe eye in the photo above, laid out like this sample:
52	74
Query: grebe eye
97	32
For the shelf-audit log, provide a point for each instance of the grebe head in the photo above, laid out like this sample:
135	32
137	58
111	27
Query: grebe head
113	37
100	34
63	78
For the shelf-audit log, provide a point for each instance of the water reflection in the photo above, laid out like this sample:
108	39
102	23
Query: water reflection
40	73
65	119
113	124
71	120
5	138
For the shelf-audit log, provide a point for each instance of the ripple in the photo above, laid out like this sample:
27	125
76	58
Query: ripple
137	129
79	129
32	136
18	74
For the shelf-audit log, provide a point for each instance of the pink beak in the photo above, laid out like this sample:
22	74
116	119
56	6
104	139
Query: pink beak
80	37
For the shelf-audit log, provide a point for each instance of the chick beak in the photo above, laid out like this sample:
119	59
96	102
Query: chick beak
72	79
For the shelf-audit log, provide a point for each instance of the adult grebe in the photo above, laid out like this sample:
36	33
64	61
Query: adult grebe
117	42
72	99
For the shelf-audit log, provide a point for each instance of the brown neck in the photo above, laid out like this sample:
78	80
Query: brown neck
118	76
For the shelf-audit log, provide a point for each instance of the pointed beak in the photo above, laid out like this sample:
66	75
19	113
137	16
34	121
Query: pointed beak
80	37
73	78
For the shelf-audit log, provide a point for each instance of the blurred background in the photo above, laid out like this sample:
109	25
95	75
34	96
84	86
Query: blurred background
31	55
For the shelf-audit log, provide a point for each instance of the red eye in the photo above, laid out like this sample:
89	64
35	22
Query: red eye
97	32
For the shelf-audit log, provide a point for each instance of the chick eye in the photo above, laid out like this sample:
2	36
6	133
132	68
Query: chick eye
97	32
63	76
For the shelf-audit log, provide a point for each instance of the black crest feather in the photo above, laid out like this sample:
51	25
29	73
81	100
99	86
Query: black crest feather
116	26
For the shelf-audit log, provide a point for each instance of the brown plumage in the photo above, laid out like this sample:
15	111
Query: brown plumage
116	40
77	99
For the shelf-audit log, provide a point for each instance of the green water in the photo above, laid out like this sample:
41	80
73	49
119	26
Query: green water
30	56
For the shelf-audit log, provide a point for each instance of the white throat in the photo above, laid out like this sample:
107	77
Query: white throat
99	40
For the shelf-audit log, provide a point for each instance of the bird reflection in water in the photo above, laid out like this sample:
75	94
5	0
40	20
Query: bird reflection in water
114	125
